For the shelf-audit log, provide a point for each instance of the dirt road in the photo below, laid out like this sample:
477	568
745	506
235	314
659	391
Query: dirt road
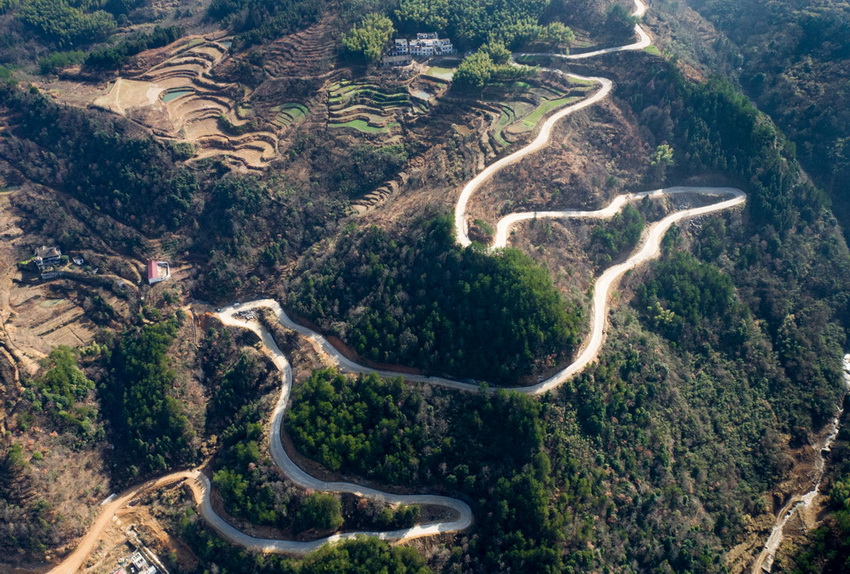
77	558
649	249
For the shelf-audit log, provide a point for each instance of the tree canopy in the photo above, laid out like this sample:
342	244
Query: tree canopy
367	40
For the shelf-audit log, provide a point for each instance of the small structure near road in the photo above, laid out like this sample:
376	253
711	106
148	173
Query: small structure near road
158	271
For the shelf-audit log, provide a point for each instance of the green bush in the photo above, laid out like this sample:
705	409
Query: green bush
56	61
367	40
66	25
320	511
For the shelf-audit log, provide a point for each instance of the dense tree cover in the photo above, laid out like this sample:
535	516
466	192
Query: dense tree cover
233	378
256	21
368	40
678	436
66	23
487	448
648	443
423	301
470	23
320	511
250	226
100	160
358	556
62	392
613	239
349	424
475	71
55	61
793	59
619	21
246	479
114	56
148	427
490	63
237	382
715	127
693	303
802	298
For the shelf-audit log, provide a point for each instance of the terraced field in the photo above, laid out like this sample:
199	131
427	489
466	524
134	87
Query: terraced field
518	108
288	114
369	108
178	98
306	53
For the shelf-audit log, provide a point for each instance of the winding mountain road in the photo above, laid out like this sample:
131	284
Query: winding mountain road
727	198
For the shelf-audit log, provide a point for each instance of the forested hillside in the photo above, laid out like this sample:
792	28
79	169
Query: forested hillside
435	306
257	149
796	66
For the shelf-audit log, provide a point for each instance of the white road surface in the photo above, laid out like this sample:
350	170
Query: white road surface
726	198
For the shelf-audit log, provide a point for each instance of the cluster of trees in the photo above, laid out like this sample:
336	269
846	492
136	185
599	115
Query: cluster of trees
801	299
647	442
67	24
793	60
425	302
63	392
249	485
619	21
246	480
471	23
489	64
112	57
256	21
319	511
147	425
237	379
109	57
367	40
364	425
694	304
358	556
715	127
249	226
615	238
477	69
102	161
55	61
486	448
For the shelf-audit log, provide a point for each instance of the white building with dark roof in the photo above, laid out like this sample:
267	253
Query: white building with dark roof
426	44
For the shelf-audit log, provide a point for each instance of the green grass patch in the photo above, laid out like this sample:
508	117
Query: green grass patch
441	73
364	126
545	108
652	50
578	82
295	111
287	114
547	93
